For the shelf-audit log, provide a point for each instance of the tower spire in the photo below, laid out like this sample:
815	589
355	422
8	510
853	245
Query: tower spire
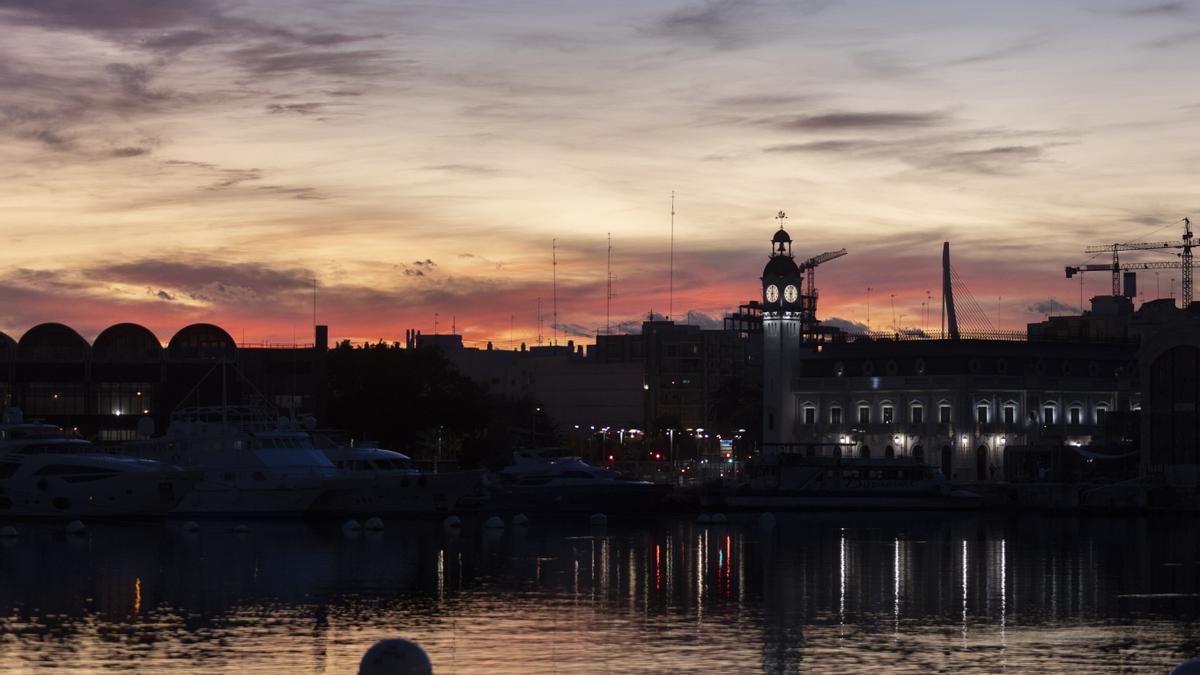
554	283
608	292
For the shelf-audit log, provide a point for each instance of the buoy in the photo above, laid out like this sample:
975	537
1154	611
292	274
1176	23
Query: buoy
395	657
76	527
704	519
374	524
719	518
8	532
190	526
241	529
767	521
351	525
494	523
520	520
452	521
599	519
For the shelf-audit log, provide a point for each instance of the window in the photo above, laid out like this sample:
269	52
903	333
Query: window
1010	414
888	414
810	415
1048	415
864	414
917	415
943	414
981	414
1101	415
835	415
889	452
1076	415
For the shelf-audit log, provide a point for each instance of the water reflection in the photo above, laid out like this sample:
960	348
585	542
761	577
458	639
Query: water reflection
818	592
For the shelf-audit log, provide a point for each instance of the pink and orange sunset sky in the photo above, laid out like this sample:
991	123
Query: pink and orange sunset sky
172	161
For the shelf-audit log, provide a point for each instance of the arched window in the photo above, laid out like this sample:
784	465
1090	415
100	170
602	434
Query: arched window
1049	413
1075	414
1010	412
916	413
835	414
865	451
889	452
1101	413
982	410
918	453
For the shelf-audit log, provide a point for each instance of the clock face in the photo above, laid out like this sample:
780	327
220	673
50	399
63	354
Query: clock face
772	293
791	293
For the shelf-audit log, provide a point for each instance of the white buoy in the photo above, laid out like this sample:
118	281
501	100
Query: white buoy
703	519
241	529
76	527
520	520
8	532
767	521
494	523
599	519
190	526
395	657
719	518
452	522
351	525
374	524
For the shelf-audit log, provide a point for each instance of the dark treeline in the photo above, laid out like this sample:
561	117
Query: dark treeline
414	401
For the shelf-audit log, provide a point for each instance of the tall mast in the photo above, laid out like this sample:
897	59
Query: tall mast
539	321
554	282
671	273
608	294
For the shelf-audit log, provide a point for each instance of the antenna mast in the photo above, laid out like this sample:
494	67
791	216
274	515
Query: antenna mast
671	274
539	318
608	294
554	277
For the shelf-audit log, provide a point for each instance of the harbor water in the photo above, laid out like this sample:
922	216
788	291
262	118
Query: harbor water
901	592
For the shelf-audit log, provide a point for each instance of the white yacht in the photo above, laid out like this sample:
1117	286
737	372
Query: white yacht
548	479
251	462
45	472
388	482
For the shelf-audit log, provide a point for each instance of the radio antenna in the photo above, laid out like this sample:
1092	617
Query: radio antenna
671	273
608	293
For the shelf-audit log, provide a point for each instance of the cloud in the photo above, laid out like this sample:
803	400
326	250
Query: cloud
310	108
732	24
857	121
997	160
1052	306
845	324
1160	9
129	151
838	146
470	169
418	268
573	330
163	295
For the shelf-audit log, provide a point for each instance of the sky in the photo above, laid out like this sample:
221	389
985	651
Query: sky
173	161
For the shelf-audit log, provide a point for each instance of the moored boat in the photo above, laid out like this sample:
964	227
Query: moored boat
251	463
45	472
387	482
549	480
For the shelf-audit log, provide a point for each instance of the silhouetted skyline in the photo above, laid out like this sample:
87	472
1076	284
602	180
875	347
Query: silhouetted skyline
195	160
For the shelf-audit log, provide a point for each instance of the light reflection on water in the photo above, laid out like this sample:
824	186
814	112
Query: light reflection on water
912	592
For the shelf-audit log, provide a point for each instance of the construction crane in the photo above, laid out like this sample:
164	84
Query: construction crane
808	304
1184	263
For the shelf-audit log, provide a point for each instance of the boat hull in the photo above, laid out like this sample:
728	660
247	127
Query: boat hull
401	494
133	495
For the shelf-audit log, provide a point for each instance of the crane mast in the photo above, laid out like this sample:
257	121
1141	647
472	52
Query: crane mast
1185	260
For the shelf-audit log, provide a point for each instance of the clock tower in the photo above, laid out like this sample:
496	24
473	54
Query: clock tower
781	279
